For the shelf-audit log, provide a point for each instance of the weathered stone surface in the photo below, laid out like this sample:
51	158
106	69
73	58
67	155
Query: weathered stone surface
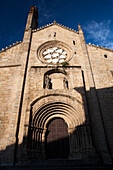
83	100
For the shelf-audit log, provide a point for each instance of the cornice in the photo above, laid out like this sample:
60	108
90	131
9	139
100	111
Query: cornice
10	46
100	47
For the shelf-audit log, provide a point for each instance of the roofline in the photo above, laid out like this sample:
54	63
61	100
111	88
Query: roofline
55	23
103	48
62	26
10	46
69	29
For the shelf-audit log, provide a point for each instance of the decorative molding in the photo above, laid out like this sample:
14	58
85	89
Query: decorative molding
10	46
97	46
62	26
49	46
18	65
54	23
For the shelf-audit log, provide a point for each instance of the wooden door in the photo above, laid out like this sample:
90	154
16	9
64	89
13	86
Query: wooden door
57	139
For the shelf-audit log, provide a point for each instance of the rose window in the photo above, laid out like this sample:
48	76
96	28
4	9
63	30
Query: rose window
54	52
54	55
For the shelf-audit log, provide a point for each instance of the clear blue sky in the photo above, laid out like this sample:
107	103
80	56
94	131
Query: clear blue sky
95	17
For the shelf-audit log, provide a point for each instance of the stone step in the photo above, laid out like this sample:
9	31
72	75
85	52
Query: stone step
54	168
57	165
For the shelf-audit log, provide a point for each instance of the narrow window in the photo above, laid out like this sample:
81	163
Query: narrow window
49	35
73	42
111	72
105	56
54	34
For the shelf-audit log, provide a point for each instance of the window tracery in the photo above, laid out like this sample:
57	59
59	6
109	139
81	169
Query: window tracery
54	52
54	55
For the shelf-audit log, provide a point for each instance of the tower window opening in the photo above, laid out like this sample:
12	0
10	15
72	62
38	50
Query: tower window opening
54	34
49	35
73	42
111	72
105	56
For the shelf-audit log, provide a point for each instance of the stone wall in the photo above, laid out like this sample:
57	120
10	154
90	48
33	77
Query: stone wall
101	68
20	63
11	80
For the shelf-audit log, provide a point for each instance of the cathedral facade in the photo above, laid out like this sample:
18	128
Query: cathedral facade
56	97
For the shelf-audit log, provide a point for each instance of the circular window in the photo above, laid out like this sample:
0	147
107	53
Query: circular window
54	55
54	52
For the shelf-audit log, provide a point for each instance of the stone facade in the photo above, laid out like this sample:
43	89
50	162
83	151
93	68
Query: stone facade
80	94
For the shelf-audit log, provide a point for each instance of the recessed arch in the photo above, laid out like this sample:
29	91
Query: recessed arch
60	77
57	139
60	109
53	110
57	70
33	102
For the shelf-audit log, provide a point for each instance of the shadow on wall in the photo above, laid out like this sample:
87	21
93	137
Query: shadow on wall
78	145
59	144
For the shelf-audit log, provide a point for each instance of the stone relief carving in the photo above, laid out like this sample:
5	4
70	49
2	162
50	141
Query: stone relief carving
65	83
48	83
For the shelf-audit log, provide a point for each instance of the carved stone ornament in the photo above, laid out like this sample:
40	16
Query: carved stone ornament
54	52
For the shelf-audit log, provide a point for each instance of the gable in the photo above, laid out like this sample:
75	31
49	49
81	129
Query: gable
56	24
55	33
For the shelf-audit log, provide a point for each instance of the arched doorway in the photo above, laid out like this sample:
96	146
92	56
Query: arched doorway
57	139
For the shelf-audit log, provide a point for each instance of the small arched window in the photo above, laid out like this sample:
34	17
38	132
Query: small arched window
105	56
73	42
54	34
111	72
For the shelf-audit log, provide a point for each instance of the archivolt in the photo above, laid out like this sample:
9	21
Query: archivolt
57	109
55	94
56	71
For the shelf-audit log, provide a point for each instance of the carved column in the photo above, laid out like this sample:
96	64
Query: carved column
72	154
43	144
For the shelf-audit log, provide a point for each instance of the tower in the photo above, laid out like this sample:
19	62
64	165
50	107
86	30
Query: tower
55	109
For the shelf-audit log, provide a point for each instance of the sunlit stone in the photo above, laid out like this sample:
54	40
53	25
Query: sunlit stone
62	60
50	50
49	61
62	56
45	52
54	48
48	56
55	54
64	53
55	60
59	51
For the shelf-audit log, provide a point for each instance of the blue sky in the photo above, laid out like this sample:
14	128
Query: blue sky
95	17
